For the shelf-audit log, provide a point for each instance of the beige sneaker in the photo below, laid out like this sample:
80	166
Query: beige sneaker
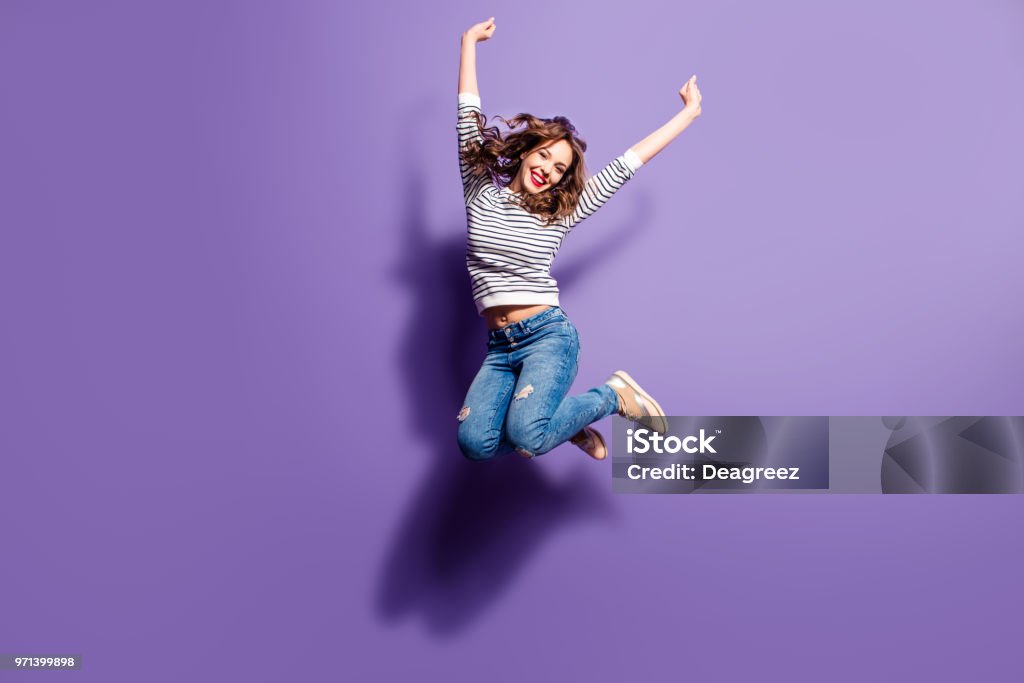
636	404
591	442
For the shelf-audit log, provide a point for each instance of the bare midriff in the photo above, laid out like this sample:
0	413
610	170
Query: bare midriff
498	317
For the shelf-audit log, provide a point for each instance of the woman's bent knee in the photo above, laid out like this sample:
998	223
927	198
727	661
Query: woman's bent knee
530	441
476	446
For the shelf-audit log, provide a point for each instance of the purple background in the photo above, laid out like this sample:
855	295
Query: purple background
237	329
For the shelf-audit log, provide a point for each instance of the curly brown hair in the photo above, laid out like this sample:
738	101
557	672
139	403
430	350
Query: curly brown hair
500	157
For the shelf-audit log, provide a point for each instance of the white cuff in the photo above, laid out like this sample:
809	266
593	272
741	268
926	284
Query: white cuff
469	98
632	160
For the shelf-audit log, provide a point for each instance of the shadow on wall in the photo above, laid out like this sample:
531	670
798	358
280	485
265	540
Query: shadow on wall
472	525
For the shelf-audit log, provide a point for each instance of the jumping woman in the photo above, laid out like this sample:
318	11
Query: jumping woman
524	191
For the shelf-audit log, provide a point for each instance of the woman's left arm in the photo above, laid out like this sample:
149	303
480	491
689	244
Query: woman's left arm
600	188
647	148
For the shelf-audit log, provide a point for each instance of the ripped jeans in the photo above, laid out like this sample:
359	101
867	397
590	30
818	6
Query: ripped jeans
518	401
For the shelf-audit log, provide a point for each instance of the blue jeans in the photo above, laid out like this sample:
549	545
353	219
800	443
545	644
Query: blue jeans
518	399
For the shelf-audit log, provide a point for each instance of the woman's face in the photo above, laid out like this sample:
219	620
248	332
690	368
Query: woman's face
543	167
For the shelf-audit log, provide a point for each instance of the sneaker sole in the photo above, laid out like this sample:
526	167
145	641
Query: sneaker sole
663	423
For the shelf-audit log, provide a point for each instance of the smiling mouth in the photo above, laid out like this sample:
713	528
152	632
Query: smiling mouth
538	180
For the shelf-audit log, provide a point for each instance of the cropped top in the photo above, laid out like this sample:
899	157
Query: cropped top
509	250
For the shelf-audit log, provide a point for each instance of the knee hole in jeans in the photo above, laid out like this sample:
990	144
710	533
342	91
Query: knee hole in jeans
526	391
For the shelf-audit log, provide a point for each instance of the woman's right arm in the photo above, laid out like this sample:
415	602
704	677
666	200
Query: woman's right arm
467	66
469	104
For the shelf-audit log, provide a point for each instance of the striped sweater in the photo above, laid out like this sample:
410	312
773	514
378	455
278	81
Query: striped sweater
510	250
